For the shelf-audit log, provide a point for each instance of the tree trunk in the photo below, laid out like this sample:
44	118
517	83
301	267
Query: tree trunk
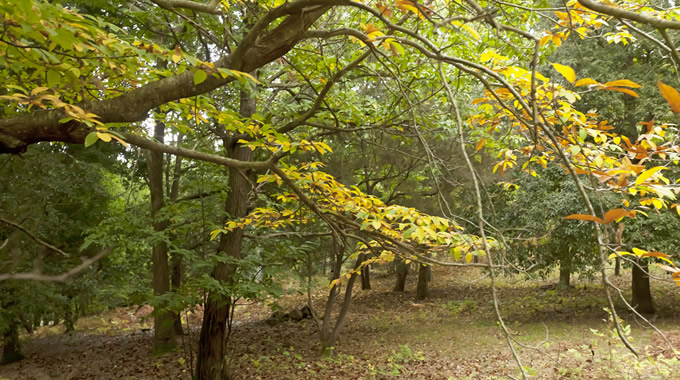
642	295
402	272
423	291
619	244
163	320
565	276
11	352
176	260
211	361
329	337
365	275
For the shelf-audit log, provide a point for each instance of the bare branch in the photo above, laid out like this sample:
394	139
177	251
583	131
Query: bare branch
37	276
35	238
170	5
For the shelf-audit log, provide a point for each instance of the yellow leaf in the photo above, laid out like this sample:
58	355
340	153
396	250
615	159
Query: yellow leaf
177	55
622	83
104	136
585	82
566	71
648	173
671	95
468	257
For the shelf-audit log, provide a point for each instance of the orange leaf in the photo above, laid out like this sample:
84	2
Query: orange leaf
585	82
615	214
619	89
671	95
655	254
623	83
589	218
480	144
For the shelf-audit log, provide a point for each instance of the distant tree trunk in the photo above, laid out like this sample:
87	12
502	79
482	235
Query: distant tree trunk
565	277
211	361
619	244
402	272
365	275
424	277
11	352
176	284
164	333
642	294
176	260
329	336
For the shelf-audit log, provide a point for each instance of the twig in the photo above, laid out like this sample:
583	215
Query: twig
37	240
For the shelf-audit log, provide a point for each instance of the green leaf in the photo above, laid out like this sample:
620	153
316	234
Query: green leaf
91	138
200	76
53	78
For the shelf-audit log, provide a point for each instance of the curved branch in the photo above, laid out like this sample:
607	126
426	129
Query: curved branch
36	239
258	48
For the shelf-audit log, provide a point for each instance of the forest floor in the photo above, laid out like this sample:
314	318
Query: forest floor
453	335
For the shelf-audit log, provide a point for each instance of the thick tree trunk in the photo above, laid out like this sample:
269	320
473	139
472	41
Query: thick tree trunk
642	294
424	274
11	351
211	360
164	333
402	272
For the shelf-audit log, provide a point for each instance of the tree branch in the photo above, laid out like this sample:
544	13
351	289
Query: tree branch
37	276
36	239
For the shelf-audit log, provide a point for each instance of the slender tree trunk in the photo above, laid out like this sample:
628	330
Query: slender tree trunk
423	290
402	272
11	351
211	360
619	244
164	333
176	260
642	294
365	275
329	337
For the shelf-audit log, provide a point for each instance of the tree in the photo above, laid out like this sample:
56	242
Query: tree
80	79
